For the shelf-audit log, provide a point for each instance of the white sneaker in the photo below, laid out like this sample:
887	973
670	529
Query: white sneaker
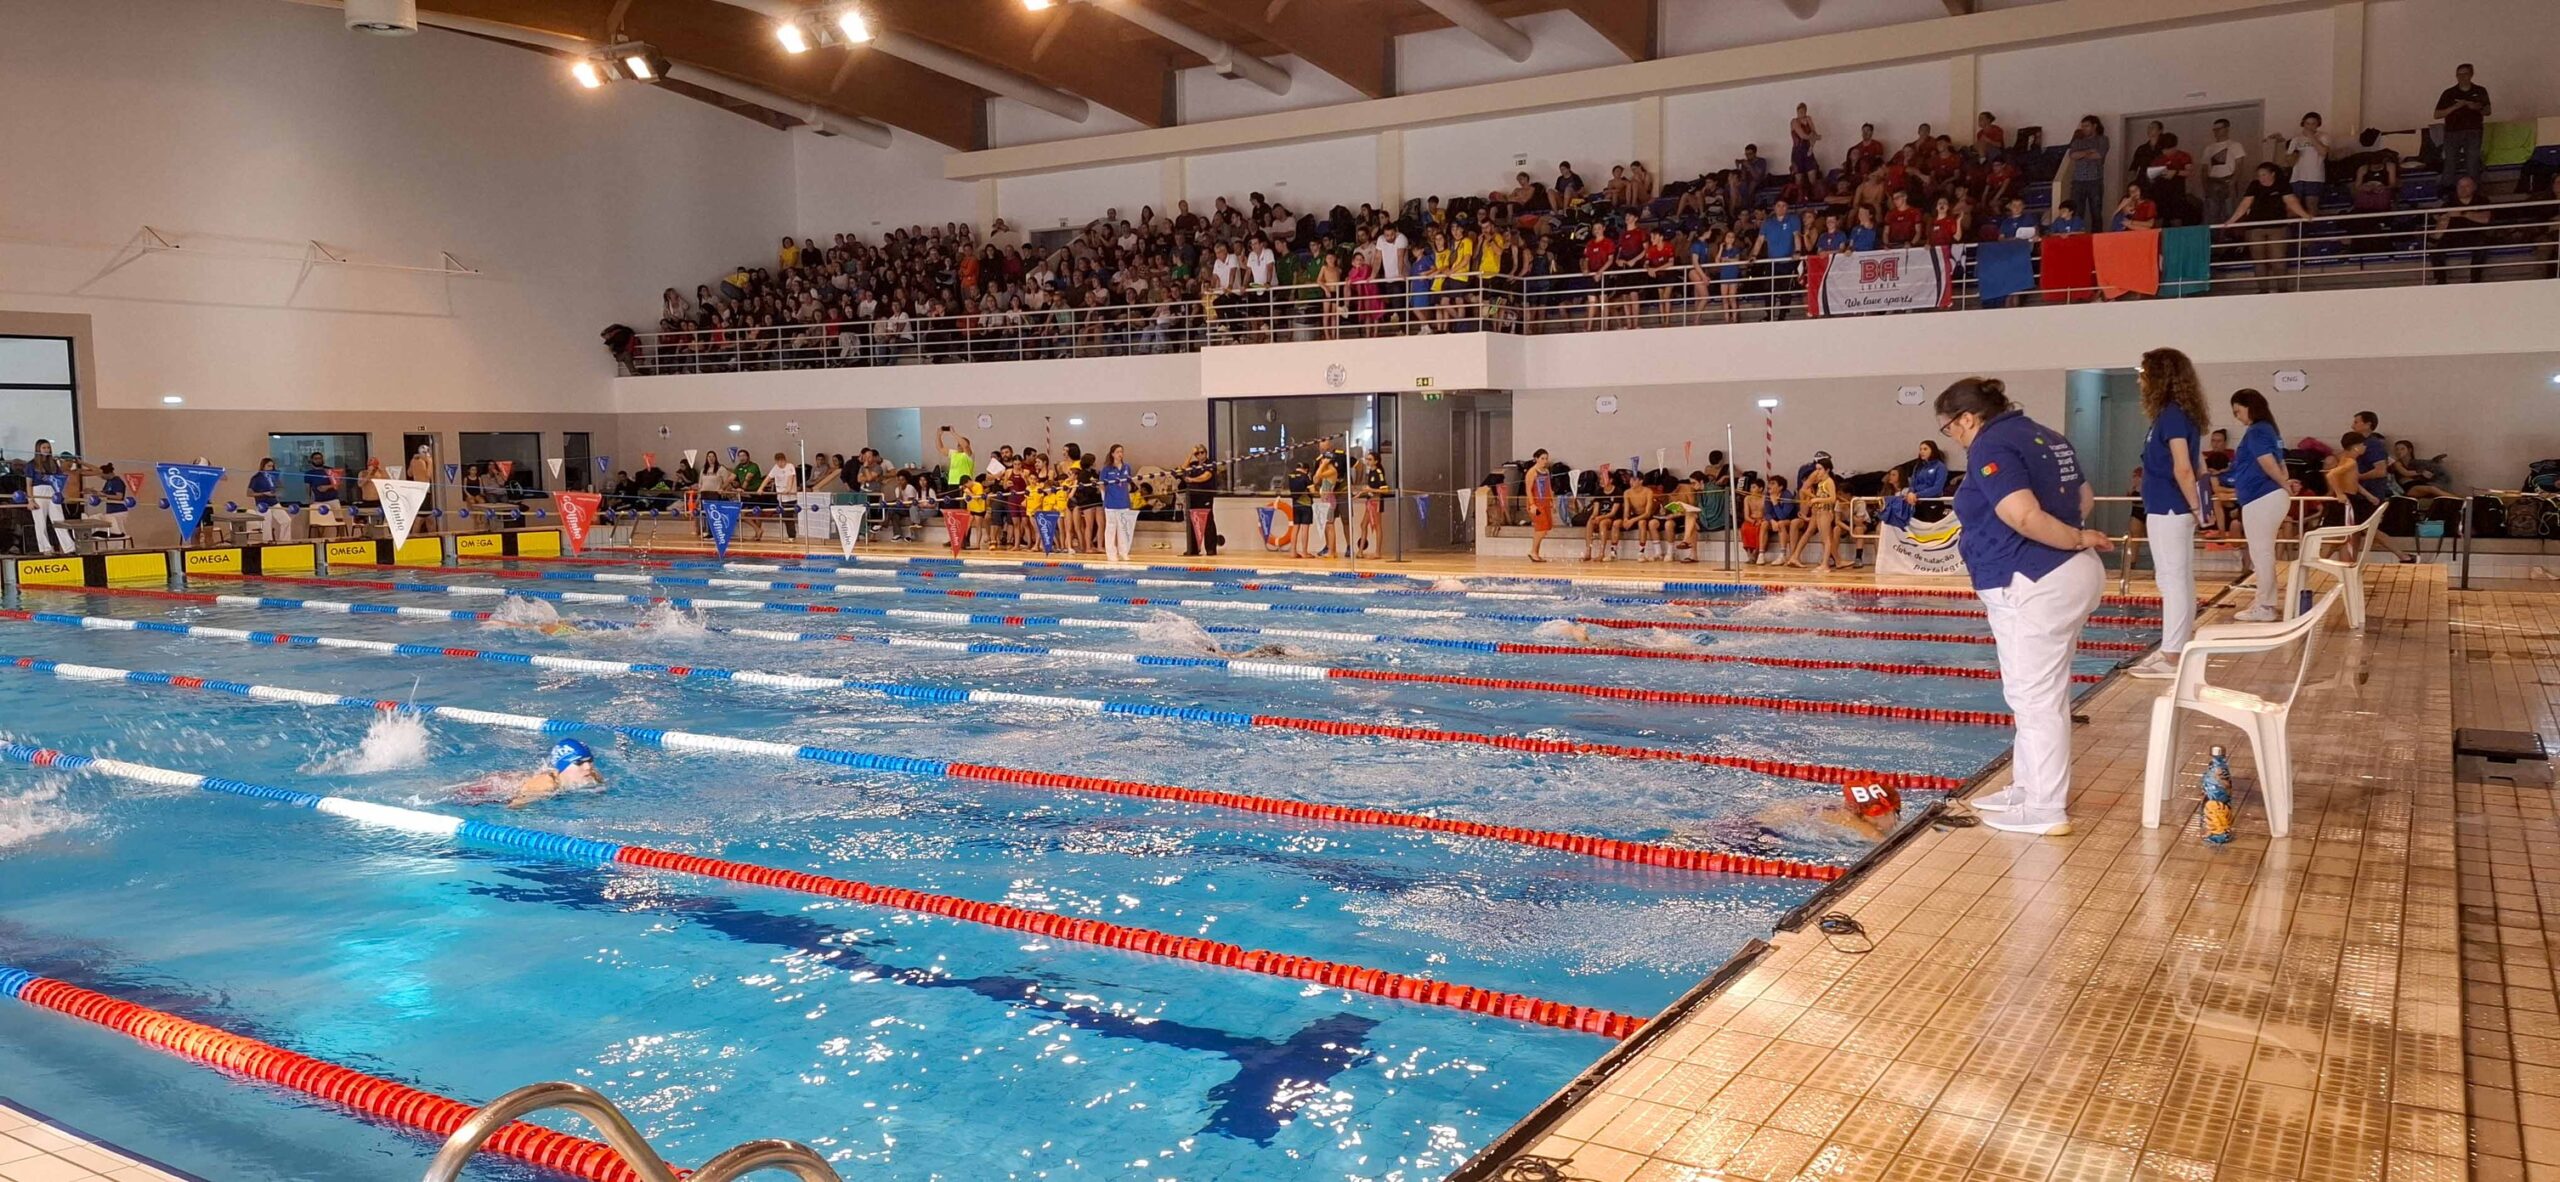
2006	800
2258	615
2061	828
2156	667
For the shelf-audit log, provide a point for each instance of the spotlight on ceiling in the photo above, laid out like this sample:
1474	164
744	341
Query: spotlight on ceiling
587	73
172	400
630	60
826	25
644	63
856	29
794	38
1038	5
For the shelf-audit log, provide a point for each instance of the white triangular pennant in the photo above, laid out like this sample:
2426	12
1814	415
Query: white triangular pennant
556	463
401	500
848	522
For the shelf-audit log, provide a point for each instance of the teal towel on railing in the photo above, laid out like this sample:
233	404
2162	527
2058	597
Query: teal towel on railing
2186	260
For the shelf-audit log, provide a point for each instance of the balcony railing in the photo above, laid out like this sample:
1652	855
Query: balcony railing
2400	248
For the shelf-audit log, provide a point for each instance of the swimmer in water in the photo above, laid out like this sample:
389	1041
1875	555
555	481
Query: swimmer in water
572	766
1867	810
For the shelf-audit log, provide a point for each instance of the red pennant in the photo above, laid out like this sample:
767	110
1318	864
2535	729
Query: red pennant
505	468
577	514
648	459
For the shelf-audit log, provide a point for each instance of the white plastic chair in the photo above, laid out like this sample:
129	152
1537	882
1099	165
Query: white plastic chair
2315	555
2262	720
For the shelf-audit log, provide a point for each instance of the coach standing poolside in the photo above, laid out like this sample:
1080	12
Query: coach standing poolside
2021	506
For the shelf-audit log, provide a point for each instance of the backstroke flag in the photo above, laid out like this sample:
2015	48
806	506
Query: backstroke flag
556	463
577	515
506	468
401	500
190	490
1879	281
848	522
721	518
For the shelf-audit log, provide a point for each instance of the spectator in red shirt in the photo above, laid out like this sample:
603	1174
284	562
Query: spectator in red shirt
1988	140
1865	156
1902	223
2165	180
1659	275
1596	256
2001	182
2135	212
1945	228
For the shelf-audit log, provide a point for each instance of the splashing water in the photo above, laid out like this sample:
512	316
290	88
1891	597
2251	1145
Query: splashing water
519	612
1450	585
1802	601
1565	630
1658	638
1173	630
394	741
36	812
668	620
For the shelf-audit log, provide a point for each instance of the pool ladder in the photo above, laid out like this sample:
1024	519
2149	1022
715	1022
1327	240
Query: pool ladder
736	1162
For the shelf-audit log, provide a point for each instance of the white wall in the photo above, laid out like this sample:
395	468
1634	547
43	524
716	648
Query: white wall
1706	130
840	186
1478	157
1443	58
1201	96
1309	178
1074	198
1696	26
2412	47
252	127
1010	122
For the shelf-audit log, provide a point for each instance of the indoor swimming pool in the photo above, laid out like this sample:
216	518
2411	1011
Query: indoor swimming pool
1590	796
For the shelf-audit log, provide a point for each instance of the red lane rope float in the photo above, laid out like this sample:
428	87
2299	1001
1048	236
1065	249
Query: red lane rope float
1934	613
2109	646
1894	668
1686	698
1331	974
374	1096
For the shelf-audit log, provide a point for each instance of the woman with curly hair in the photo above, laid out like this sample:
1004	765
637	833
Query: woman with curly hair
2173	501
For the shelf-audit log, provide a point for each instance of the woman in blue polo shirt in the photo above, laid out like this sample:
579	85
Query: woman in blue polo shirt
2172	499
2265	492
2021	505
1928	481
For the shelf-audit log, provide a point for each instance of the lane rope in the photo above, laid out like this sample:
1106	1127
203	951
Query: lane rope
1065	928
371	1095
1516	648
1609	849
1232	666
2115	646
901	691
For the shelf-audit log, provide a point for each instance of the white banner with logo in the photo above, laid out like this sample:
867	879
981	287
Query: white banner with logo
1879	281
848	523
401	500
1920	548
814	518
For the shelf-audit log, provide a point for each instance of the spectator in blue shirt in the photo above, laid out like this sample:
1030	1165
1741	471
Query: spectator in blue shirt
2264	488
317	477
2172	498
2068	221
2373	477
1863	232
1833	238
2018	223
1779	235
2022	504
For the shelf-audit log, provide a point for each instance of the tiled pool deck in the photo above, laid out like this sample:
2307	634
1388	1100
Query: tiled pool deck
35	1150
2137	1004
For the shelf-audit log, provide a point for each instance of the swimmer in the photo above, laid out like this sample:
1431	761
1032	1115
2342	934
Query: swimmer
572	766
1868	810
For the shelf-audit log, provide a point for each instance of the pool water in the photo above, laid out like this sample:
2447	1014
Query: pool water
903	1046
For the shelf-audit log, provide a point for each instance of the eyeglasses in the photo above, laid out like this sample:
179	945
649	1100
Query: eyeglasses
1947	426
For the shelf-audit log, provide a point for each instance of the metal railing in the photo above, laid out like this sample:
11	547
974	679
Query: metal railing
738	1161
2333	251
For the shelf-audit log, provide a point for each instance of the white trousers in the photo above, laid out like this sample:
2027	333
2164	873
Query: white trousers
1119	532
2260	521
2173	566
46	513
2036	624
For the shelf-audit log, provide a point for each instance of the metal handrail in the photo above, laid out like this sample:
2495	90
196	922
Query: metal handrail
2342	250
802	1161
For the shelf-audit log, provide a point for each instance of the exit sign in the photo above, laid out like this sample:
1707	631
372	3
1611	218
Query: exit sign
1421	383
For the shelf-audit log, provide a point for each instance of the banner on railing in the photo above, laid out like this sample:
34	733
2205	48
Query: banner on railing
812	508
577	516
401	500
1903	280
188	489
720	518
1921	548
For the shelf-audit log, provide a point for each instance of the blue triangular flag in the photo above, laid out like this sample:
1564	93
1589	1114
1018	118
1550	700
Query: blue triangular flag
453	474
721	518
190	492
604	465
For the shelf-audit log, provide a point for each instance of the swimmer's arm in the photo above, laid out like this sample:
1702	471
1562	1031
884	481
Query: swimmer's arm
534	788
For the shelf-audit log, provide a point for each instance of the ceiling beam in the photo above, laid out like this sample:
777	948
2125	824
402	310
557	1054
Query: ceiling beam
1348	39
1959	7
1125	77
1226	59
1631	25
1471	15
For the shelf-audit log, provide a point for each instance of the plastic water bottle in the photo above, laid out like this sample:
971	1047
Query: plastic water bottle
2217	798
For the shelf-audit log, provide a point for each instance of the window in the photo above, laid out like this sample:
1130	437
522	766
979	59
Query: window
521	451
292	454
38	396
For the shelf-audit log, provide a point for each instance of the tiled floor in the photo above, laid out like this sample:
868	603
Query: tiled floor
33	1151
2506	676
2124	1003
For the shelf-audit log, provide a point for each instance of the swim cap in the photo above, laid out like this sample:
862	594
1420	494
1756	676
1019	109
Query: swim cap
569	751
1871	800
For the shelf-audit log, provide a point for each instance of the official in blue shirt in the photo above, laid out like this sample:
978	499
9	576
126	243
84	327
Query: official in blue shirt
316	477
1778	234
1929	481
2020	506
2264	489
2373	475
1119	513
2172	498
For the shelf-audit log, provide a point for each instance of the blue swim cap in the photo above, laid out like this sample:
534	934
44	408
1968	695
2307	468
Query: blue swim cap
569	751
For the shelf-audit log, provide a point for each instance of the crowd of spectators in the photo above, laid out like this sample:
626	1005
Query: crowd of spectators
1631	250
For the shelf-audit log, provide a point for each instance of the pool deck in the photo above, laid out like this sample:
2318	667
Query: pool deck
33	1149
2136	1004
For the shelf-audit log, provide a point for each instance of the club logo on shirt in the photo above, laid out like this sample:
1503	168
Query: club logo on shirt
1991	469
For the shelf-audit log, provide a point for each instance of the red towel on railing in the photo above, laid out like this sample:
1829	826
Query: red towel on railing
2127	261
2070	268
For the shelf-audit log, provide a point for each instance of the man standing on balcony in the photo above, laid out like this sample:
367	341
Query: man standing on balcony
2086	167
2222	178
2464	107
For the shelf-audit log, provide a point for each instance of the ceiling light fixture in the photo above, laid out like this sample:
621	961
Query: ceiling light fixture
639	66
794	38
1038	5
1768	404
737	426
587	73
171	400
1075	422
856	29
